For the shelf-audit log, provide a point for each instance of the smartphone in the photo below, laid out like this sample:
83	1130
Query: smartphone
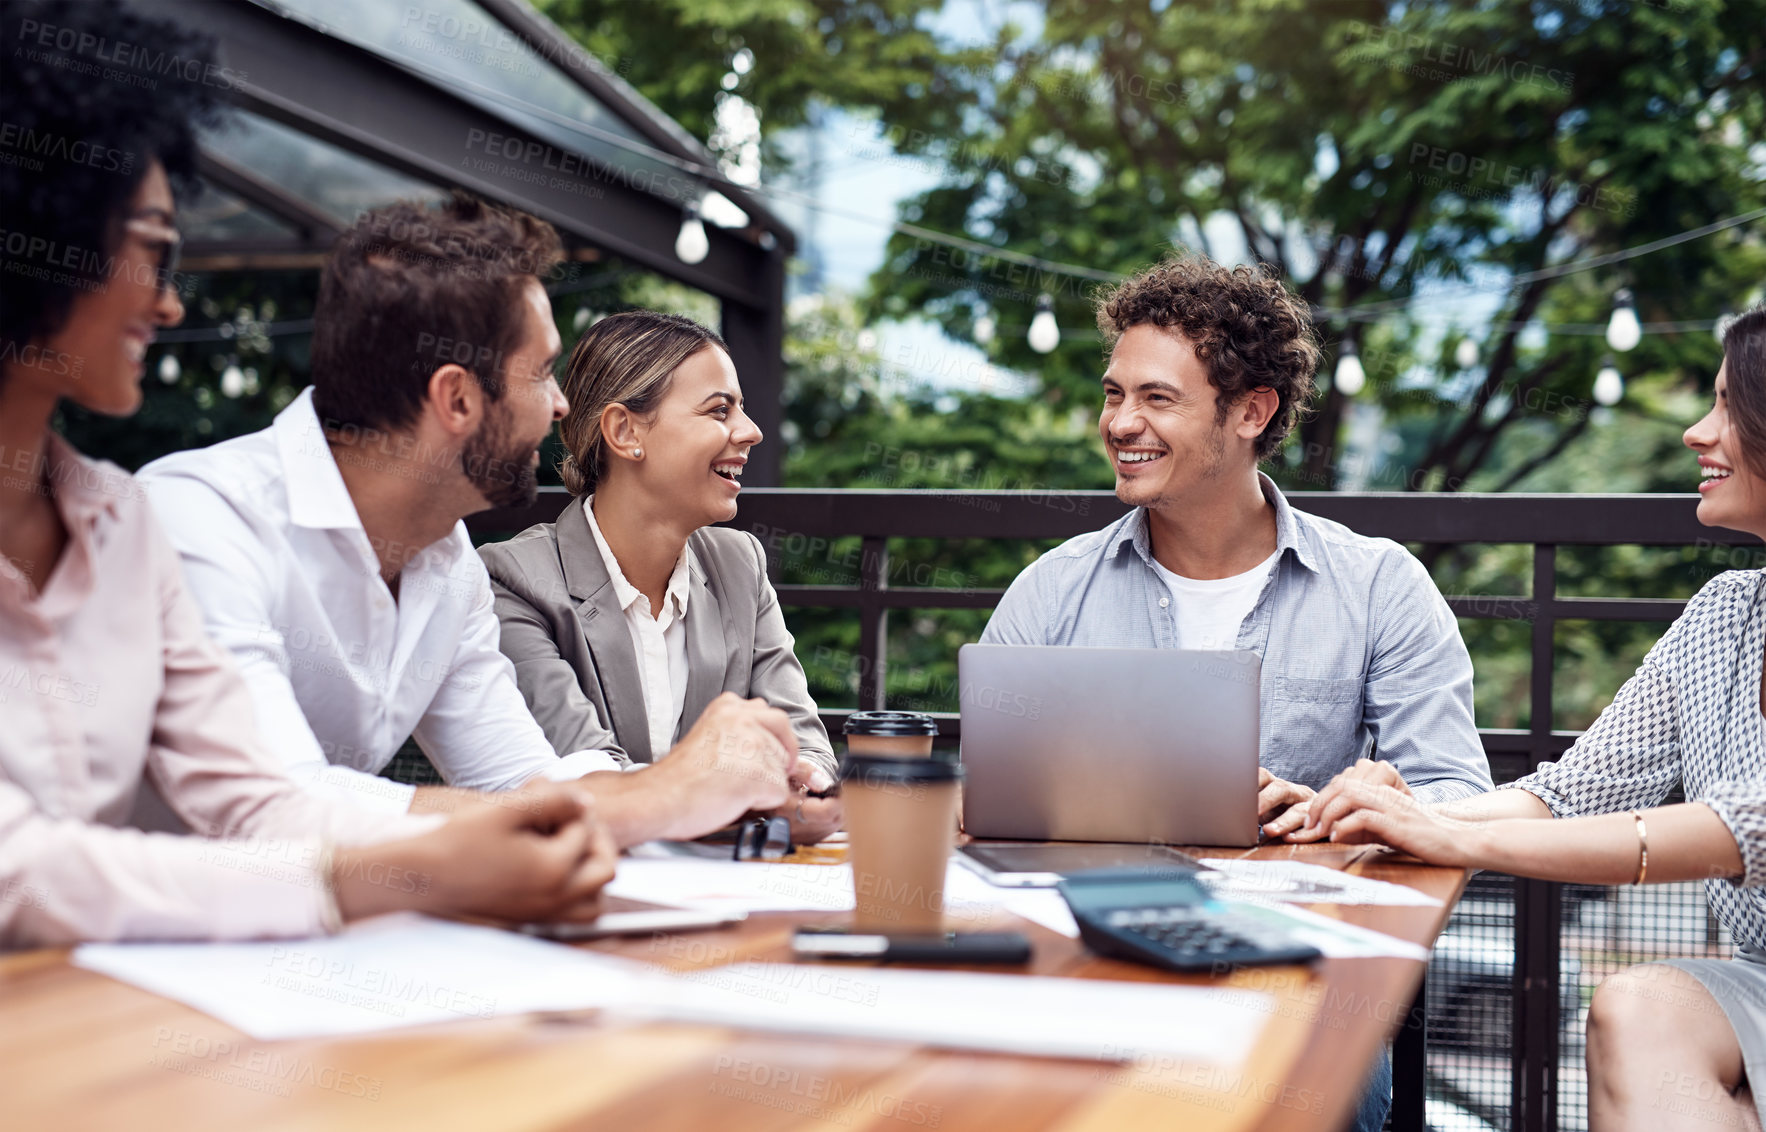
634	923
947	947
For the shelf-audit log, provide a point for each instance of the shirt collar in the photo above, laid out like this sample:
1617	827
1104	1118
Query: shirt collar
317	495
675	596
1131	529
85	490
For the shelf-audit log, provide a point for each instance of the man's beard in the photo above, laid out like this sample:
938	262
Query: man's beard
498	466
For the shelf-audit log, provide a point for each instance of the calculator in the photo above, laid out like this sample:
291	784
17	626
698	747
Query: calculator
1162	915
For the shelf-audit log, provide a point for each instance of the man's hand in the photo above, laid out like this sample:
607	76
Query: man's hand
532	854
812	819
1281	805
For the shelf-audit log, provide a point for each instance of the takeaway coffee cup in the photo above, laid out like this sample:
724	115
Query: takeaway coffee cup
901	819
896	734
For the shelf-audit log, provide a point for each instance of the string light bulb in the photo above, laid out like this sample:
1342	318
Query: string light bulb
1624	332
1044	334
1350	378
169	369
232	382
984	330
692	245
1465	355
1609	383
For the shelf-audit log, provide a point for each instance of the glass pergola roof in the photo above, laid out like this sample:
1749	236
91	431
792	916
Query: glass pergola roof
332	180
457	44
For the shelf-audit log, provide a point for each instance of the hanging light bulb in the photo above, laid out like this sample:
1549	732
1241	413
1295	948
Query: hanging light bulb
580	319
984	330
232	382
1044	334
692	246
1465	355
1624	332
1609	383
169	369
1350	378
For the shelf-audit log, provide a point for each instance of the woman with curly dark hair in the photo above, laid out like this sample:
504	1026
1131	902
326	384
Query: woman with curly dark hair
106	675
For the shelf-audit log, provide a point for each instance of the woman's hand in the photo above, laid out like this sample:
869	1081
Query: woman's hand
812	819
531	854
1311	825
1359	811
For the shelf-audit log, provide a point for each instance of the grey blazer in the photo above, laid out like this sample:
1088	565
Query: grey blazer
564	630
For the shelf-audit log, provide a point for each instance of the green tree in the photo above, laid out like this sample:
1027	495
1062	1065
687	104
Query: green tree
1372	155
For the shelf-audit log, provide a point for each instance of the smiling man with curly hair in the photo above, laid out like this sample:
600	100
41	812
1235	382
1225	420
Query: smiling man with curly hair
1209	369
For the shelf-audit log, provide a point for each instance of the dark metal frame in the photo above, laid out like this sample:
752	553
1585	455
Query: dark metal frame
1544	521
359	101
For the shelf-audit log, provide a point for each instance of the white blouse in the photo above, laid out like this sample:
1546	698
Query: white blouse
107	683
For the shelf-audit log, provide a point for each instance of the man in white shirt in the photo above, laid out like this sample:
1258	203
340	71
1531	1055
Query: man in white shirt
329	558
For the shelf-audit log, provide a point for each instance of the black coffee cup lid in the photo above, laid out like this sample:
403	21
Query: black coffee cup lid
884	723
879	770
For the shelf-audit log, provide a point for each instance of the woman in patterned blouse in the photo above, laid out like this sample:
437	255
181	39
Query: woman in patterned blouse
1660	1054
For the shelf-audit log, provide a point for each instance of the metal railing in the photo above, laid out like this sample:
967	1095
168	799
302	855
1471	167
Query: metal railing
1545	522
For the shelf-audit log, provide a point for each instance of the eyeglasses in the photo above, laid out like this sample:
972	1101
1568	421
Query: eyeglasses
764	839
164	238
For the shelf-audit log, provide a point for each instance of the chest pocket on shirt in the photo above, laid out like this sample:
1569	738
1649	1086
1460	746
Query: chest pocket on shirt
1311	728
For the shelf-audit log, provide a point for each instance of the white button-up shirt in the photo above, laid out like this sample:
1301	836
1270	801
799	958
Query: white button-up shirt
339	672
659	640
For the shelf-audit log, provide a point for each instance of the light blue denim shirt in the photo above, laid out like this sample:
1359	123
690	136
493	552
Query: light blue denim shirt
1361	655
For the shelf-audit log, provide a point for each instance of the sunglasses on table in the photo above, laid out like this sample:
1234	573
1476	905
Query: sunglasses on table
763	839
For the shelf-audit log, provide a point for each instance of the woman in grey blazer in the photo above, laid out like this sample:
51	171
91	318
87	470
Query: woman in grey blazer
627	616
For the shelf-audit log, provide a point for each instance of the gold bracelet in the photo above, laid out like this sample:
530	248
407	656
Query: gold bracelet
1642	848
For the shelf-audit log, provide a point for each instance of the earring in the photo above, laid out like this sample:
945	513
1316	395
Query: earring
637	453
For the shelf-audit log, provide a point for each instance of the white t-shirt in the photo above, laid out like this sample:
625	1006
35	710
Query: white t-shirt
1209	612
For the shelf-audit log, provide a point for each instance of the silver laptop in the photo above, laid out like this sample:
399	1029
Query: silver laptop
1096	744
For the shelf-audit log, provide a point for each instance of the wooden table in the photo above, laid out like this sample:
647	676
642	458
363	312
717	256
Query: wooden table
78	1050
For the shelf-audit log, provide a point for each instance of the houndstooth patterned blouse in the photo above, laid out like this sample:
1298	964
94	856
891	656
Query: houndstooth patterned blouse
1690	713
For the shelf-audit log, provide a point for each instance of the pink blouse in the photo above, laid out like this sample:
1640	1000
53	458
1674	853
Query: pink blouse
107	675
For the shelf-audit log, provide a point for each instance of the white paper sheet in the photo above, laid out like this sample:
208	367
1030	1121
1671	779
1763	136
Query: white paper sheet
1297	882
1054	1017
757	886
1336	939
406	970
379	974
